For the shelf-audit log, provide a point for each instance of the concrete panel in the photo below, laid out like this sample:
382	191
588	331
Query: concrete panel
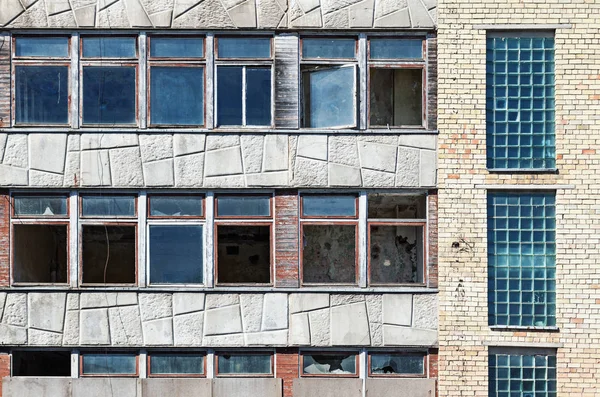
36	387
400	387
176	387
305	387
87	387
244	387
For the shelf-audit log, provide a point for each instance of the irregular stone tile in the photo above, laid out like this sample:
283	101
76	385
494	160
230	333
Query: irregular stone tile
434	15
156	6
231	3
319	324
47	311
268	179
155	147
283	24
73	301
350	325
373	178
98	299
15	152
10	10
38	337
48	152
225	320
330	6
225	182
336	20
276	153
187	302
57	6
222	141
113	16
299	330
385	7
158	332
425	311
391	140
188	143
397	309
235	340
15	310
252	309
208	14
221	300
45	179
102	4
3	139
343	299
308	5
360	15
419	15
399	19
308	20
72	174
2	301
34	17
12	335
189	170
153	306
270	14
85	16
161	19
159	173
95	169
421	141
71	330
306	302
270	338
309	172
295	10
252	153
377	157
407	173
63	20
342	175
428	168
126	298
13	176
126	167
313	146
343	150
374	308
94	328
137	14
244	15
376	334
110	140
187	329
125	326
223	162
275	312
406	336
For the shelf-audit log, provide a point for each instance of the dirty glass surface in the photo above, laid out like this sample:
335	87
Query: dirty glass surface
177	95
329	254
244	364
240	47
229	95
243	205
329	48
109	364
163	364
396	254
396	97
40	205
108	206
37	46
42	94
329	95
390	364
109	95
109	47
176	206
176	254
328	205
243	254
177	47
330	364
385	48
258	96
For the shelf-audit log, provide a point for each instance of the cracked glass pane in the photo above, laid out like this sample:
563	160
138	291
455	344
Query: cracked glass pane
41	94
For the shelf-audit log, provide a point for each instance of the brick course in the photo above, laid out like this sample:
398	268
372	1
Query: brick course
286	239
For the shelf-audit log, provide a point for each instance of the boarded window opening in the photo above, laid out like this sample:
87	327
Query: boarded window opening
244	254
40	253
396	97
109	254
329	254
41	363
396	254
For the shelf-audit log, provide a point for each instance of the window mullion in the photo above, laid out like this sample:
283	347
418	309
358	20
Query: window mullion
362	82
74	239
209	262
141	257
142	109
363	241
74	76
244	74
210	86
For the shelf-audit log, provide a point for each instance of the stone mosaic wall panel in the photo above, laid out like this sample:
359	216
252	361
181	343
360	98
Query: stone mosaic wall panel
190	319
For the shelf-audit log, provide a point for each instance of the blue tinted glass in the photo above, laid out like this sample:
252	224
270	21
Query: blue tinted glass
176	254
396	48
329	97
109	95
39	205
175	206
237	47
521	375
176	364
36	46
329	48
109	47
244	206
244	364
229	95
177	47
329	206
258	96
108	206
42	94
109	364
177	95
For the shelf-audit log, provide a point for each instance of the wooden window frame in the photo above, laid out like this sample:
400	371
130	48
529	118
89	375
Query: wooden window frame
328	353
370	373
110	59
137	365
202	198
176	375
16	57
353	217
244	375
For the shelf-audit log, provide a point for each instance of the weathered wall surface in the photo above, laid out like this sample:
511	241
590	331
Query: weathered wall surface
213	160
230	320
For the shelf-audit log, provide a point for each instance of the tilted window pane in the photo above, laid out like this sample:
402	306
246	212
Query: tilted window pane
258	96
243	254
40	253
164	364
397	254
177	47
237	47
329	254
109	47
36	46
329	95
390	364
109	364
328	205
108	206
176	206
42	94
524	375
329	364
108	254
244	364
243	206
396	48
39	205
109	95
177	95
329	48
229	95
396	97
176	254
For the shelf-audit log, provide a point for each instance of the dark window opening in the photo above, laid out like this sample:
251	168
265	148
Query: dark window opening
396	254
329	364
109	95
41	363
40	253
109	254
329	253
244	254
396	97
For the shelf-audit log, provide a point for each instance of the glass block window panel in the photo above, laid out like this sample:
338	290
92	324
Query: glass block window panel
177	95
109	47
36	46
109	364
40	206
42	94
396	48
329	205
176	206
382	364
176	364
244	364
520	103
177	47
522	375
331	48
105	206
521	259
109	95
240	47
176	254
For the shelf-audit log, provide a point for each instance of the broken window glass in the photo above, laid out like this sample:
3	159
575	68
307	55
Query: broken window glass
329	253
40	206
109	364
329	364
244	47
176	364
41	363
328	48
39	46
240	364
388	48
109	47
251	206
396	97
176	206
328	205
177	47
243	95
396	254
244	254
42	94
176	254
397	206
109	95
177	95
396	364
40	253
108	254
103	206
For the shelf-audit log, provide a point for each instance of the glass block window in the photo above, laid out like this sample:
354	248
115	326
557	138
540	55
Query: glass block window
521	259
520	102
522	375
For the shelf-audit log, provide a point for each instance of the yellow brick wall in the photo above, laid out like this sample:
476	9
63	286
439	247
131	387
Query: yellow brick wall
464	332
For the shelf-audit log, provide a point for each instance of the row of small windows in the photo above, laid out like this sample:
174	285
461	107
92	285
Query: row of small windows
109	69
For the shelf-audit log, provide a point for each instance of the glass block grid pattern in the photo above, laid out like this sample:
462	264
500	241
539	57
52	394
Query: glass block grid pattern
517	375
521	259
520	103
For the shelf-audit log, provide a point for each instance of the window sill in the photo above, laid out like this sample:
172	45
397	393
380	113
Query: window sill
508	328
523	170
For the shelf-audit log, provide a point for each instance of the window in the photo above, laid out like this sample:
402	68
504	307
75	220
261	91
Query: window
41	363
108	239
243	87
520	101
514	373
40	238
330	364
244	364
175	242
329	239
329	82
396	82
397	238
41	69
176	365
109	80
109	364
521	259
396	364
176	80
243	234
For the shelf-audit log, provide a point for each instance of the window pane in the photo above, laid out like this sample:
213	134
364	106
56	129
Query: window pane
389	364
329	254
229	95
109	95
176	364
109	364
109	47
396	206
328	48
41	363
40	253
176	254
258	96
175	206
108	206
42	94
329	97
329	205
331	364
244	254
396	97
177	95
244	364
38	205
177	47
36	46
109	254
397	254
237	47
396	48
244	206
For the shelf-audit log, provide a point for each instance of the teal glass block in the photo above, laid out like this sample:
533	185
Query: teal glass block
522	375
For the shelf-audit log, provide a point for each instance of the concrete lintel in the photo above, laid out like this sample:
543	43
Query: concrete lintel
535	345
532	26
525	187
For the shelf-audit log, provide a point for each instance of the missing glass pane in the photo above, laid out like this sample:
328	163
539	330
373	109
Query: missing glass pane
108	254
395	206
109	95
396	254
42	94
239	364
329	364
396	97
109	364
41	363
329	253
177	95
103	206
176	254
36	46
244	254
40	206
397	364
40	253
176	364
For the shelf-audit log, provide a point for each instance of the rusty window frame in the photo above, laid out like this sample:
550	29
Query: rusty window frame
271	353
330	353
